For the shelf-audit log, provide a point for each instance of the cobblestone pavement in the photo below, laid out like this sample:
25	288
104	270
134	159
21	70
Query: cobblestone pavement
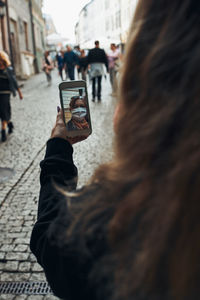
33	118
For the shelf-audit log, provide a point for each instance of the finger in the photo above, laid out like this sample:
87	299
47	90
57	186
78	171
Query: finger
59	117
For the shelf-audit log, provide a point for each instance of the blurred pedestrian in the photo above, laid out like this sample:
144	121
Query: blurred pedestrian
97	59
60	63
113	65
77	50
70	61
48	66
83	65
8	85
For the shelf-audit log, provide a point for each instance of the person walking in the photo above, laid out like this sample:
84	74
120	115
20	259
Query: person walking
113	65
48	66
8	86
83	65
132	233
70	61
60	63
97	59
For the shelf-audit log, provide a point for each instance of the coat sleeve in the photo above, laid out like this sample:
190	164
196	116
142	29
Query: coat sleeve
105	58
89	58
61	267
13	78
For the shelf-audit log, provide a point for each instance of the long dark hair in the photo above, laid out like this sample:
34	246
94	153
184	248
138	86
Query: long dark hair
153	182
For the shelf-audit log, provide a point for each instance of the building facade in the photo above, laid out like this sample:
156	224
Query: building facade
4	45
105	20
127	12
21	37
39	32
22	31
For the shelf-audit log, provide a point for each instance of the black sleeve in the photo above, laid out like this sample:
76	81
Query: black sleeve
13	78
67	258
61	269
89	57
76	59
105	59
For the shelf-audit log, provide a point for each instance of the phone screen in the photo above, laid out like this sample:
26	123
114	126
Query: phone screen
76	109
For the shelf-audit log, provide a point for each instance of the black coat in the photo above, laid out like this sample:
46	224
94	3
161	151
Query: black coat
97	55
12	80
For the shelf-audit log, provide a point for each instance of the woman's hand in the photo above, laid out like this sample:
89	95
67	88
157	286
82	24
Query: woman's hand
60	130
20	94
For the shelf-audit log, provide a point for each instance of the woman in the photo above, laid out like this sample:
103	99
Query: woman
113	65
83	65
48	66
78	109
8	85
60	63
133	233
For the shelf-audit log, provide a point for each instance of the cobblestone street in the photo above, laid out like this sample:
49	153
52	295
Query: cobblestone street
33	118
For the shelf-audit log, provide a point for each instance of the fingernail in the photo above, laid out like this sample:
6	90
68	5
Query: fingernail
58	109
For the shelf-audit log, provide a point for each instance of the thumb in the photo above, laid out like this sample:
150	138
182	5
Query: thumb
60	116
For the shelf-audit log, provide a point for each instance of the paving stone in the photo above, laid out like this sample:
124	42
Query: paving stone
2	255
37	277
7	297
28	223
20	248
15	229
21	297
26	229
5	276
7	248
24	266
35	297
9	266
32	258
24	241
22	276
36	268
50	297
16	235
28	218
17	256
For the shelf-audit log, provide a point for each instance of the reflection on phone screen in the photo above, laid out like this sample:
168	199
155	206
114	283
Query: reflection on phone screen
75	105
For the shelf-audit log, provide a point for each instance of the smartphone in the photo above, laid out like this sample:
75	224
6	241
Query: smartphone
75	107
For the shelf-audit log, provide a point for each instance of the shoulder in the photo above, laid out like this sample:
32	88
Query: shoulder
10	69
92	50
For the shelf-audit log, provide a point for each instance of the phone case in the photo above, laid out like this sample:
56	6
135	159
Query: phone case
75	107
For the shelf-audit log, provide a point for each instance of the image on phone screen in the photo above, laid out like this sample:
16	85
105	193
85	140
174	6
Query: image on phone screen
75	108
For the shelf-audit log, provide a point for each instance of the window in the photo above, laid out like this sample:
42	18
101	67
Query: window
107	24
118	19
42	39
26	35
107	4
113	23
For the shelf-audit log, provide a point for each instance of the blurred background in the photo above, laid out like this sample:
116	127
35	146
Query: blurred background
29	27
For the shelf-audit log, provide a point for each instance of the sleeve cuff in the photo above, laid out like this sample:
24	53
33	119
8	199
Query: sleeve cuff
58	146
